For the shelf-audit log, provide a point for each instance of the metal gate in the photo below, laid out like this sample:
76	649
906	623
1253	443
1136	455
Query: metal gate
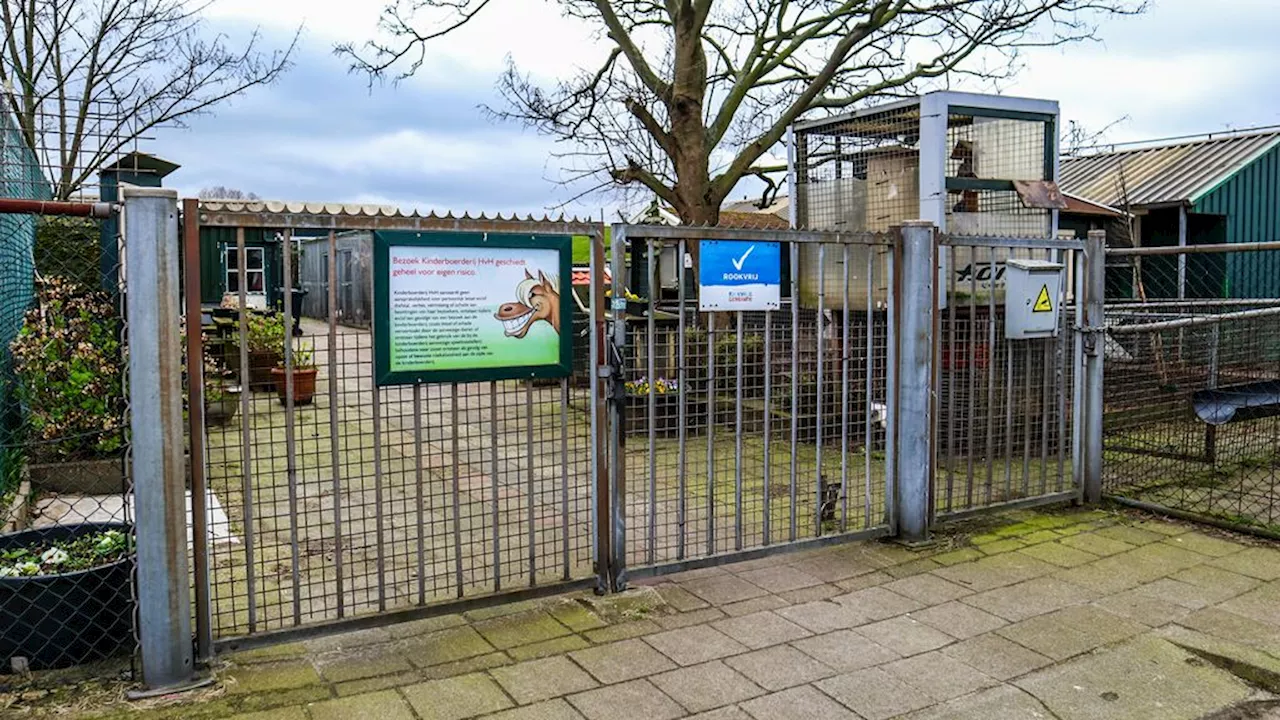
1006	415
330	498
741	431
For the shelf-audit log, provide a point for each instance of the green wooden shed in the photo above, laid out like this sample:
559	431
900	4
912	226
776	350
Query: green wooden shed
1220	188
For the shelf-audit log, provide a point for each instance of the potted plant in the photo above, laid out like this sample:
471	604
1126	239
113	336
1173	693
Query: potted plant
221	395
264	340
65	594
69	366
304	376
666	405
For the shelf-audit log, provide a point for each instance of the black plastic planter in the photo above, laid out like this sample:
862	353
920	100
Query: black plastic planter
62	620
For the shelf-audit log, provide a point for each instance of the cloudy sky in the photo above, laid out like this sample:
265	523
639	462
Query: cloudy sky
320	133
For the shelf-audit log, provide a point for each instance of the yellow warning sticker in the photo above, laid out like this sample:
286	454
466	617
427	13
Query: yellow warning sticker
1043	303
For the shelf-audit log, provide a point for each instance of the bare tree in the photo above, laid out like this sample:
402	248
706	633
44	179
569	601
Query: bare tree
694	94
222	192
87	79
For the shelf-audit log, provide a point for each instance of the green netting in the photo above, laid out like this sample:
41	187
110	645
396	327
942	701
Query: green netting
20	177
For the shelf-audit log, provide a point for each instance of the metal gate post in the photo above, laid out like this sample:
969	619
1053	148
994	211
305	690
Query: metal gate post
617	407
1094	329
602	518
917	320
155	392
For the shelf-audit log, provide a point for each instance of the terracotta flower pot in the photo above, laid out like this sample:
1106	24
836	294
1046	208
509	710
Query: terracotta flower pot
304	385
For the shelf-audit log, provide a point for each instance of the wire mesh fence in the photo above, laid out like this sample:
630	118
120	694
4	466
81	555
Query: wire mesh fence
1192	389
330	497
66	561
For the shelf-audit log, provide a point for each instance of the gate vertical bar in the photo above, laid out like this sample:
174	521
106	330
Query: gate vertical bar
246	433
822	354
195	412
379	511
290	436
155	386
419	510
868	435
1095	264
530	488
335	456
495	531
915	377
795	383
455	490
682	432
564	477
737	442
650	346
845	351
711	433
767	529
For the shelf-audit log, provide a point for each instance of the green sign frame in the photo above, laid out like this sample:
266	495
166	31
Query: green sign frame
384	241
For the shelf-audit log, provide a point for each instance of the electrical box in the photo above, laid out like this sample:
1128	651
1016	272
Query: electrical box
1033	296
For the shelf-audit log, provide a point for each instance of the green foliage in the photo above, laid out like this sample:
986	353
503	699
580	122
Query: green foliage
56	558
68	248
69	361
266	333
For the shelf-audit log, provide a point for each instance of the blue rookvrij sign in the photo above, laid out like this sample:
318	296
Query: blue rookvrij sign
739	275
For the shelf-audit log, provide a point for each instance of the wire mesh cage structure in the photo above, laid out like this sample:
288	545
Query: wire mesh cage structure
66	548
976	166
1192	389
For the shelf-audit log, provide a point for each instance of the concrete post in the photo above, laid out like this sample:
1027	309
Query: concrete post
1095	261
155	399
914	420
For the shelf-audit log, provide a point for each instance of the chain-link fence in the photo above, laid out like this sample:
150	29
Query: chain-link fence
1192	388
66	561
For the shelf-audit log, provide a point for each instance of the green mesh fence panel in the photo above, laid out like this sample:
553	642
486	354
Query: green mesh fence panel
20	177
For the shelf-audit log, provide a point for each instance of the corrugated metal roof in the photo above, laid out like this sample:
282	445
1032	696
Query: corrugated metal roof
1163	175
277	207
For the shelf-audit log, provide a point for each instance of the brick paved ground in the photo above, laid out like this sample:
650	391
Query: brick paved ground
1072	614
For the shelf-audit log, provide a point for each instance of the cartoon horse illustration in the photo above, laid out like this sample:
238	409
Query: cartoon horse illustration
536	299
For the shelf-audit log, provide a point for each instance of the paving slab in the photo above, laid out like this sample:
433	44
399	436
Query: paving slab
1096	544
385	705
801	703
1256	562
995	571
845	650
444	646
997	657
959	620
550	710
779	578
723	589
878	603
1146	678
1071	631
695	645
520	629
778	668
622	661
1235	628
268	677
1142	607
456	698
823	616
761	629
638	699
538	680
905	635
874	694
928	589
1028	599
706	687
1205	544
1056	553
940	676
1003	702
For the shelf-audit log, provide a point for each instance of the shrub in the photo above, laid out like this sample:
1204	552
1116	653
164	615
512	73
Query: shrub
48	558
69	362
266	333
69	248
